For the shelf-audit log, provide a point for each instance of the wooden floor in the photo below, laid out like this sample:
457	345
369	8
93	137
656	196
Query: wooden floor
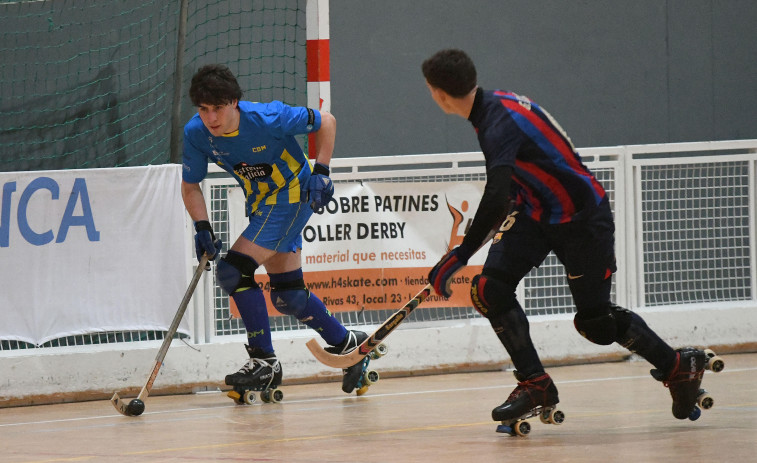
614	412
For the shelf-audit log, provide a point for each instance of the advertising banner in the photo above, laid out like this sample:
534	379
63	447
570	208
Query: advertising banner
90	251
376	242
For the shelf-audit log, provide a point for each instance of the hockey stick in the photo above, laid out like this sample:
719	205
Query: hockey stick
137	406
357	354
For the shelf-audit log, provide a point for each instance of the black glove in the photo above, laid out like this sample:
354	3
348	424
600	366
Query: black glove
206	241
319	189
440	277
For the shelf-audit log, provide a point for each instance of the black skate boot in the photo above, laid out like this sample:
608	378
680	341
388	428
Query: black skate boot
261	373
534	395
529	398
357	376
684	381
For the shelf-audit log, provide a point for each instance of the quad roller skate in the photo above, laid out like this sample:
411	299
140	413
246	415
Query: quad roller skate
358	377
261	373
685	379
534	396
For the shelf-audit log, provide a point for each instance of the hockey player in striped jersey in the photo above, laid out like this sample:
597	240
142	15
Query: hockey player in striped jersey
559	206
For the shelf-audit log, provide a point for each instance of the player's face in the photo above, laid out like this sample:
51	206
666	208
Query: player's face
440	97
220	119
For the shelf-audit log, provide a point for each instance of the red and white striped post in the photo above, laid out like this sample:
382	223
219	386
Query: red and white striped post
318	75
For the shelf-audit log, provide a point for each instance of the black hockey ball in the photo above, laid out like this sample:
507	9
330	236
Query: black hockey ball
136	407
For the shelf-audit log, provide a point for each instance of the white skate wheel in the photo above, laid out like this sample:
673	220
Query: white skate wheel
556	417
248	397
277	395
705	401
371	376
522	428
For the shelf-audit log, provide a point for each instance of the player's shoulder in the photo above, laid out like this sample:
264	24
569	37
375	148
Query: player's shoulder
491	101
522	100
261	108
496	96
264	113
194	125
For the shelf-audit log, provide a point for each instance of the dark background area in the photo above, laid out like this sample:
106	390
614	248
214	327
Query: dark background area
92	83
611	72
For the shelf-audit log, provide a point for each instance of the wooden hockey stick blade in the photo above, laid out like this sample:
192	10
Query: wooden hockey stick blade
365	348
120	404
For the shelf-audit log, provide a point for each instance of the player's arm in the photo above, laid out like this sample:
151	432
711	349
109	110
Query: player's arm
320	189
490	213
501	143
194	170
325	138
492	208
205	240
194	201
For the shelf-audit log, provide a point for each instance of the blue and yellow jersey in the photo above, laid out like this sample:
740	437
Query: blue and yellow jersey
551	183
263	155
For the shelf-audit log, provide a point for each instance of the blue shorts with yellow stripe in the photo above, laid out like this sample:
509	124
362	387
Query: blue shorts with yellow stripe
278	226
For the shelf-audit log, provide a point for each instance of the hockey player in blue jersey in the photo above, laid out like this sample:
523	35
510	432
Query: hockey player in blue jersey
255	143
558	206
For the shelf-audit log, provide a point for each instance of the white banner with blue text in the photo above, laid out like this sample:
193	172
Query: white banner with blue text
91	251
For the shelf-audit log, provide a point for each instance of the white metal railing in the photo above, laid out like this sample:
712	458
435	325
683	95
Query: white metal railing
685	241
684	217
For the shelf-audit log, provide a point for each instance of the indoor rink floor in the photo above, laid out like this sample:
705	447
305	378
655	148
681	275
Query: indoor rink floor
615	412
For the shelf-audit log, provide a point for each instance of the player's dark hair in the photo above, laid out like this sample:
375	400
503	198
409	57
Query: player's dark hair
451	70
214	84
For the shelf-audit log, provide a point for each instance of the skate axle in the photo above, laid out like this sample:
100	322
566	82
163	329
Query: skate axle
714	362
368	377
705	400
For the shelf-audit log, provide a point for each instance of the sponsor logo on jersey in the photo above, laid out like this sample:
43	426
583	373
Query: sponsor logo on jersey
256	172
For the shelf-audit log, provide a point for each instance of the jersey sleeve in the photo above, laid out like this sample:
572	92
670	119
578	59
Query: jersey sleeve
194	161
492	209
500	143
292	120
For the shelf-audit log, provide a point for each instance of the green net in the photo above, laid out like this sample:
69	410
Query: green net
90	83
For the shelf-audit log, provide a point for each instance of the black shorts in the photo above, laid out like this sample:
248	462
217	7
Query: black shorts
586	248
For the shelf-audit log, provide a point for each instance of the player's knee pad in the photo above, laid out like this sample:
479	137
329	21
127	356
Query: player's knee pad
235	272
491	296
290	297
603	328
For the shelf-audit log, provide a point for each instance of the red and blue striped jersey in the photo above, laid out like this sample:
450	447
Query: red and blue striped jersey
550	183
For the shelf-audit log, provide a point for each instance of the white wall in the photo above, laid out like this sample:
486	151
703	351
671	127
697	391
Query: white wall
95	372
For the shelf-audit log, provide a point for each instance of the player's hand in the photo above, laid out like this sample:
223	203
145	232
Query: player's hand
440	277
319	190
206	242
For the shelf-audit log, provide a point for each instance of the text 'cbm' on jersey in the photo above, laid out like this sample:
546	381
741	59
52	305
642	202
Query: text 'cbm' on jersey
263	155
551	183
